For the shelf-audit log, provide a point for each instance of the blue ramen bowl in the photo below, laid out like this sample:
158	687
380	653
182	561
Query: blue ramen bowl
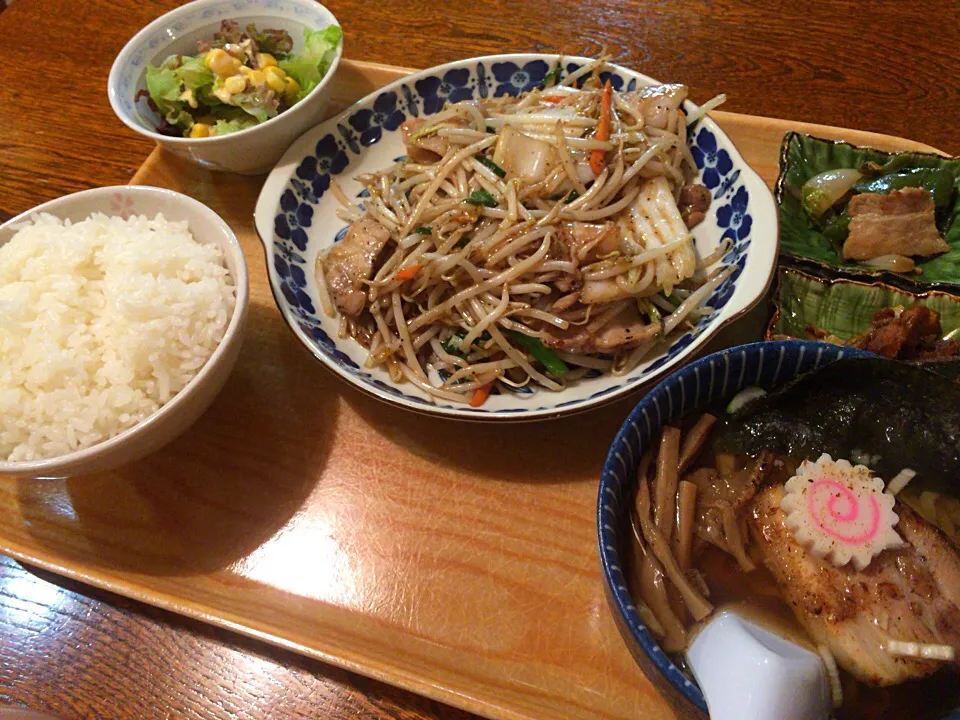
694	388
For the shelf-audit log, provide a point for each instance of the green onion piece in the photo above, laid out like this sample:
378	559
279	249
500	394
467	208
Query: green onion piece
552	77
481	197
424	230
572	196
492	131
452	343
649	309
491	165
544	355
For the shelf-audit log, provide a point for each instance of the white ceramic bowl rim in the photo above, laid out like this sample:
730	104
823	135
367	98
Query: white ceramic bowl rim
49	465
743	295
128	50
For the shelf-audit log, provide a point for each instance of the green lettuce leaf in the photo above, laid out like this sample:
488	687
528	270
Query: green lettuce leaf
309	67
223	127
194	74
164	88
252	104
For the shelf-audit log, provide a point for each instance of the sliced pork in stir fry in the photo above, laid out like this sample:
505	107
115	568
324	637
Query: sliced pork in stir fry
350	262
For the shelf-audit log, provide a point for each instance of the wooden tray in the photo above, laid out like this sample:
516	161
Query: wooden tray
455	560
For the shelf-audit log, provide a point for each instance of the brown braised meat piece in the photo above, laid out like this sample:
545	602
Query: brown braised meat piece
911	334
693	202
898	223
350	262
910	594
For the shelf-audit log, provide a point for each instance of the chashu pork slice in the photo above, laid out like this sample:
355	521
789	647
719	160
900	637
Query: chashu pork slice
910	594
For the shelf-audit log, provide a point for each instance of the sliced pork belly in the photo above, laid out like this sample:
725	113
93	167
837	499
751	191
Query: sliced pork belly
428	149
590	242
657	103
899	223
627	330
910	594
350	262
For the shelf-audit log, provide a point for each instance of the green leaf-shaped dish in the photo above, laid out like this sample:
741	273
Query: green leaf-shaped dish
844	308
802	157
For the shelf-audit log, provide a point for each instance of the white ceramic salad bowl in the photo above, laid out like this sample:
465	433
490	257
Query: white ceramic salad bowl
250	151
296	219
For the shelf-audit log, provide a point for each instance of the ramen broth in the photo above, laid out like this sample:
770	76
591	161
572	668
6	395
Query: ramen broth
755	595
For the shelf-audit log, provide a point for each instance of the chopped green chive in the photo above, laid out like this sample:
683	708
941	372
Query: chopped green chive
424	230
481	197
547	357
491	165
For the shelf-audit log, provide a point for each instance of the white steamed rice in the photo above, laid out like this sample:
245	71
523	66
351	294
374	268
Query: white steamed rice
101	323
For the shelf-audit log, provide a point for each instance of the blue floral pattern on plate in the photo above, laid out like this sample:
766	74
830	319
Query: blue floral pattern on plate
377	118
734	217
513	79
290	224
712	159
371	123
453	86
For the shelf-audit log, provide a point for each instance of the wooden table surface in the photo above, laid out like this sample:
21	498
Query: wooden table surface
80	653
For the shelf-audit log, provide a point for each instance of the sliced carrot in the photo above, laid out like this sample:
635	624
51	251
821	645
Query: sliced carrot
552	98
480	395
603	129
408	273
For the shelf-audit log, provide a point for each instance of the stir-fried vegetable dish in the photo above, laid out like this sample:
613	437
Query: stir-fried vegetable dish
526	240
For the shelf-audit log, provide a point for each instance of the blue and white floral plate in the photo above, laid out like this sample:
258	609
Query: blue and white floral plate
296	218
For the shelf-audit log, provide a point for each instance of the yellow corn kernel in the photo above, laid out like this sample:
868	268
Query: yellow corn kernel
222	63
234	84
291	89
211	56
275	79
256	77
200	130
266	60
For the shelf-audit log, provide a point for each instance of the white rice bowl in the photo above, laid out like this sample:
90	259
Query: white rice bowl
102	322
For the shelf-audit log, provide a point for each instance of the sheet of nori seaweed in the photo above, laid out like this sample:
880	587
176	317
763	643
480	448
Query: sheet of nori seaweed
898	415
